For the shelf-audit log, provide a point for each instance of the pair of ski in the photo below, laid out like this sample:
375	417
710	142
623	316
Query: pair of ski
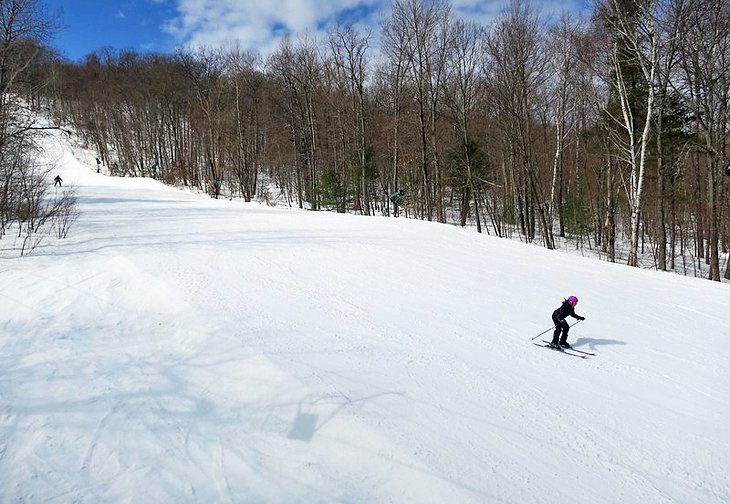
573	352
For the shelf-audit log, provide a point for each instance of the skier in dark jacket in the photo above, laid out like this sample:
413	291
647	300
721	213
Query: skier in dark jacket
57	181
561	325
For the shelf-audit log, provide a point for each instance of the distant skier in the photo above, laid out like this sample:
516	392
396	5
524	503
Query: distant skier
397	197
98	165
57	181
561	325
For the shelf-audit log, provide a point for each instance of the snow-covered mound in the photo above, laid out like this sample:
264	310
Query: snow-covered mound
180	349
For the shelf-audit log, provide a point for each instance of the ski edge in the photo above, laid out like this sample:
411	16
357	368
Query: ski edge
561	351
573	349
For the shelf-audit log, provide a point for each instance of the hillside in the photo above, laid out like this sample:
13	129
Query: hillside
177	348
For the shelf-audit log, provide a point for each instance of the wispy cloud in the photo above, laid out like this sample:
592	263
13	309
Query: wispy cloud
120	15
260	24
486	12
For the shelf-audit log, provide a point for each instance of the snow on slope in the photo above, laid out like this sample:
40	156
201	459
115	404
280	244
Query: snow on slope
180	349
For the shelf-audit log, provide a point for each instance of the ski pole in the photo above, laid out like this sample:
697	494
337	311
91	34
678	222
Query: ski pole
546	330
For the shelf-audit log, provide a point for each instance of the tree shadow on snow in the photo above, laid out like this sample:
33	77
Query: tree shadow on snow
306	424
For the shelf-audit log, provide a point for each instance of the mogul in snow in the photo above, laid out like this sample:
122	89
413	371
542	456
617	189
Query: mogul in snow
561	325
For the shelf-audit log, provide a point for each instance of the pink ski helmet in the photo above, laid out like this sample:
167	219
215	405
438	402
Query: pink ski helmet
573	300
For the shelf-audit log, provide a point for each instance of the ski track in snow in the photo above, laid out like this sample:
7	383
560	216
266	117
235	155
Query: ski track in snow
181	349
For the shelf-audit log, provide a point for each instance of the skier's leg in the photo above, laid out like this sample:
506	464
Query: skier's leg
565	328
556	333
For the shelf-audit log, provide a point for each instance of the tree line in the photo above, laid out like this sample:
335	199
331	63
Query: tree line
30	208
610	132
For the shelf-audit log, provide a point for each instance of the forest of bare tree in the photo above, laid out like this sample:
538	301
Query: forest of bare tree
30	209
607	134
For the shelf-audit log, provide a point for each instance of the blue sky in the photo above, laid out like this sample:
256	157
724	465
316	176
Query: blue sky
88	25
163	25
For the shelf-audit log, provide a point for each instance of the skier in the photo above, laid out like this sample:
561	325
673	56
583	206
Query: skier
566	309
215	188
57	181
397	197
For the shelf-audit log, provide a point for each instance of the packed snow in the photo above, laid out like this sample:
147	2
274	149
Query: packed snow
177	348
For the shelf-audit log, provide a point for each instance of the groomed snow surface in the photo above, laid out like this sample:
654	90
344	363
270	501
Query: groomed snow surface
176	348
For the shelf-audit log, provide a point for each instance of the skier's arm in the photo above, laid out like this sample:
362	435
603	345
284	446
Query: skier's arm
575	315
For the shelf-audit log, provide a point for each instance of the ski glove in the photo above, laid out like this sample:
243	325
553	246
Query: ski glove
581	318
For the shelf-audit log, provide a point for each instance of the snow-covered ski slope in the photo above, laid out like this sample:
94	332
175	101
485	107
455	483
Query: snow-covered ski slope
181	349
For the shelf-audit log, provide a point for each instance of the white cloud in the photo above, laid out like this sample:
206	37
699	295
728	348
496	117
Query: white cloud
486	12
260	24
120	15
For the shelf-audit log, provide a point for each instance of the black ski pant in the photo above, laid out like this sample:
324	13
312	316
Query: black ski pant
561	325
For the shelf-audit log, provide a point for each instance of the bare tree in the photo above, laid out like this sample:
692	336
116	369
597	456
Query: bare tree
349	48
299	68
244	149
563	60
517	68
705	59
205	71
24	26
396	42
670	126
465	84
26	203
428	42
634	41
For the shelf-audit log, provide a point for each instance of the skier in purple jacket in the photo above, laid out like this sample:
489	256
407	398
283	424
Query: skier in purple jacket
566	309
